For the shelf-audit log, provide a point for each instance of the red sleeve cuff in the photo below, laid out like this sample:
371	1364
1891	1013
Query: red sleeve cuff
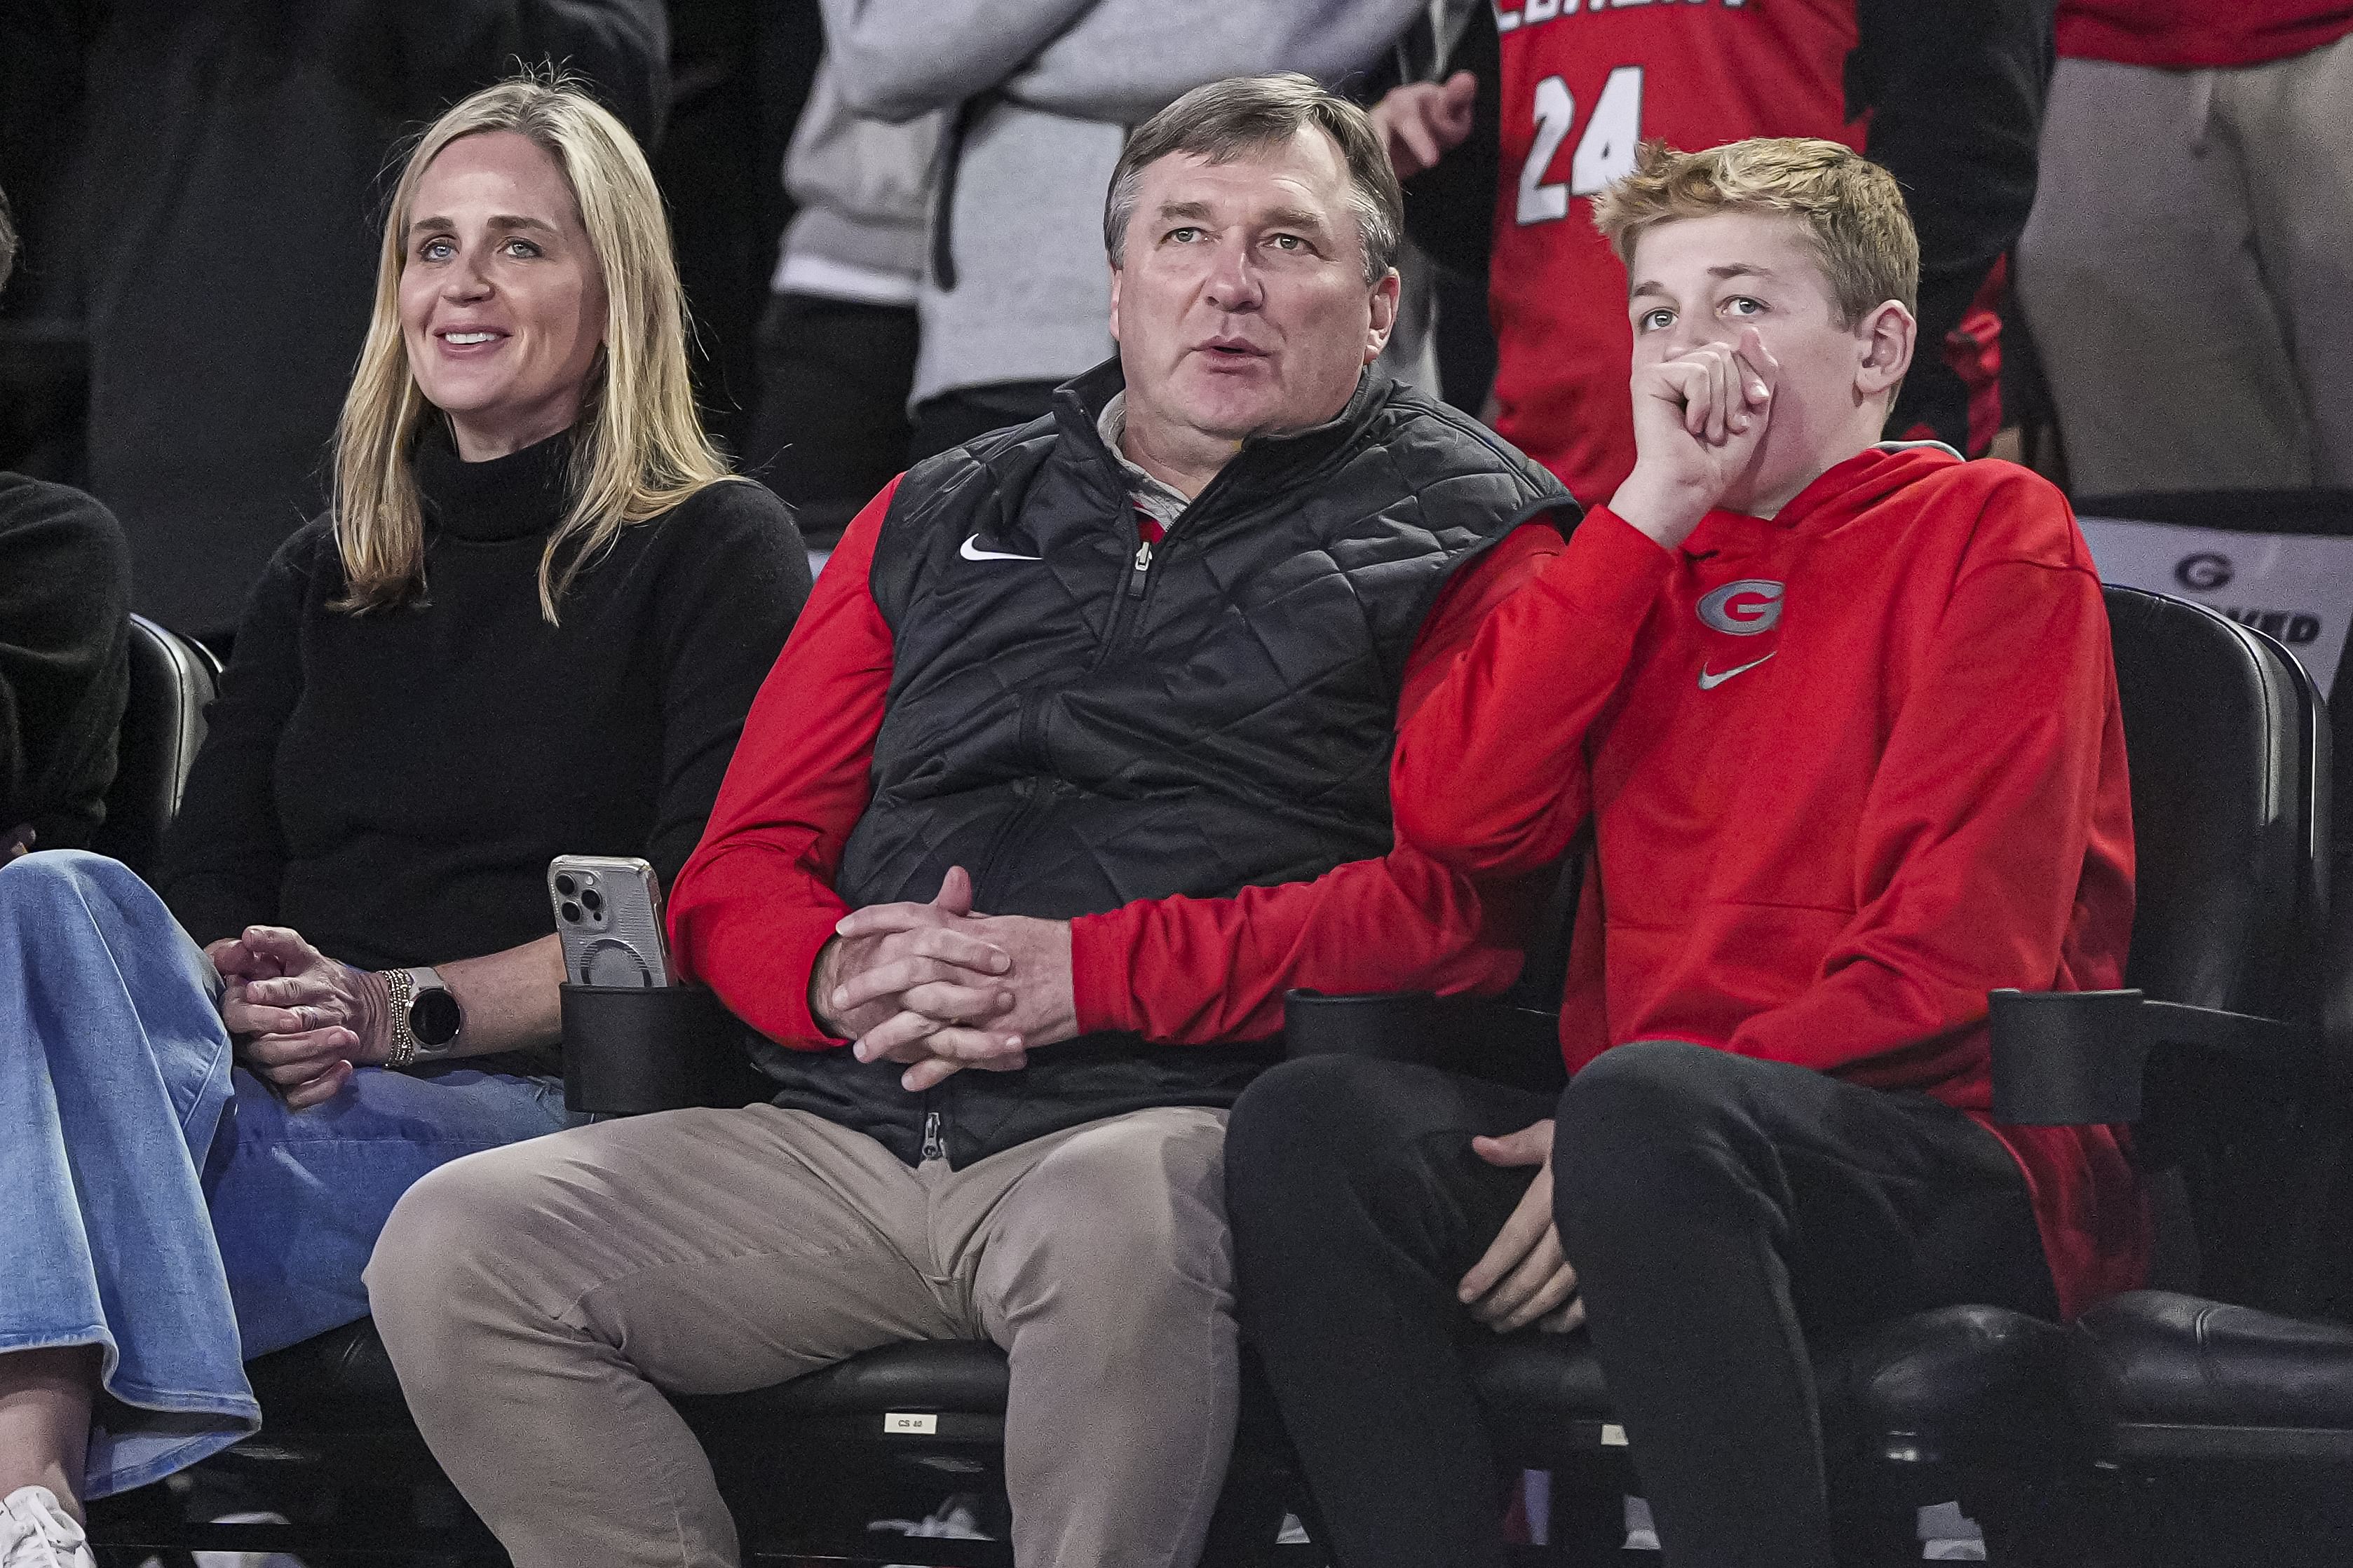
797	951
1610	570
1100	992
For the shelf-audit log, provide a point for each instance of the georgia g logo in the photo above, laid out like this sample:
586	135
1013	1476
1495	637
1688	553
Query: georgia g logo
1743	609
2203	572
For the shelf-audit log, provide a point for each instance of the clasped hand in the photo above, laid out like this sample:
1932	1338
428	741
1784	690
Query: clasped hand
1524	1278
940	988
299	1020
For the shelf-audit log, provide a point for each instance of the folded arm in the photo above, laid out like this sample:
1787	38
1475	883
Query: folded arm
1490	777
897	59
1124	60
1202	971
755	905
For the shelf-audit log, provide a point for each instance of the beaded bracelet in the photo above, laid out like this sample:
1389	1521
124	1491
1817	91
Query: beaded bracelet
400	990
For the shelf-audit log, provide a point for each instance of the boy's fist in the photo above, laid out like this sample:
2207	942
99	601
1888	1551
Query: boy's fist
1699	419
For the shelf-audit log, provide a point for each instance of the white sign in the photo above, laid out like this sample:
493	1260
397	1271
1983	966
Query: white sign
2297	587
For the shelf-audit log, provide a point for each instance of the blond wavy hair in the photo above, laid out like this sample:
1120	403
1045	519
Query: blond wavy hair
1852	209
639	448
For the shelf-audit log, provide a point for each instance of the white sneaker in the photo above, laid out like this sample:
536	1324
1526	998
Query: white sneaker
35	1532
247	1559
956	1519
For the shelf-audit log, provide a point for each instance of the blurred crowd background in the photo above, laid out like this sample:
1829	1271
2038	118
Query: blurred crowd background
887	216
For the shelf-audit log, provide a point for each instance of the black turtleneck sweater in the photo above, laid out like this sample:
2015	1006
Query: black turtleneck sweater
393	785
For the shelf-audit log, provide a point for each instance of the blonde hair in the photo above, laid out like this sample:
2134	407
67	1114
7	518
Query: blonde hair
639	448
1852	209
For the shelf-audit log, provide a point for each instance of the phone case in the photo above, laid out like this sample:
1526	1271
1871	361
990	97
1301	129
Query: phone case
609	912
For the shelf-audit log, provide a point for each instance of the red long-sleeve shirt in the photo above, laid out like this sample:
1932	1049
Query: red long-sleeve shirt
756	903
1850	768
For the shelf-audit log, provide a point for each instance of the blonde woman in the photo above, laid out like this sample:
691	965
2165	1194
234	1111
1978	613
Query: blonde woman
531	625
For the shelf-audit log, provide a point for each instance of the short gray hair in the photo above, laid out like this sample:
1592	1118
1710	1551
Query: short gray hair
1242	115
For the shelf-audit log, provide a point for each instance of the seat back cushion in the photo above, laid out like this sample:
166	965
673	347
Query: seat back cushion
2229	755
2222	731
162	725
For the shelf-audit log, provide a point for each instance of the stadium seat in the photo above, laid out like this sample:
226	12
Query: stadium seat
2226	1429
2230	772
2230	760
805	1465
172	681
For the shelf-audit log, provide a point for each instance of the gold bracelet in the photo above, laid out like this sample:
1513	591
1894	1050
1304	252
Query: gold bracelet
399	992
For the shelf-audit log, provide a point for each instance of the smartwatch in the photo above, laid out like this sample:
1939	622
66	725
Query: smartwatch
427	1020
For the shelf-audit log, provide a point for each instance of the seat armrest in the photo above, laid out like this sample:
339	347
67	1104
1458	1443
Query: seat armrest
1398	1025
1484	1037
632	1049
2066	1059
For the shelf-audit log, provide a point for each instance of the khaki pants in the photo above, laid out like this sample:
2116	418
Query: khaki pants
2186	268
537	1299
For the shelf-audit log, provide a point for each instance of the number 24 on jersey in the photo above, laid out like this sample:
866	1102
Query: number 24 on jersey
1605	149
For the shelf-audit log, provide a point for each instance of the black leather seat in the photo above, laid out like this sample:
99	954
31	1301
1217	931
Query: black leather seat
2227	1428
803	1464
2228	760
2229	755
343	1381
335	1417
172	682
2163	1377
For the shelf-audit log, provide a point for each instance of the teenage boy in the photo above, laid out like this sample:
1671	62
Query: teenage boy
1844	719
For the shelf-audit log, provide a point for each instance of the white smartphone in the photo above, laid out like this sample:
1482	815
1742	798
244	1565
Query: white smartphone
609	912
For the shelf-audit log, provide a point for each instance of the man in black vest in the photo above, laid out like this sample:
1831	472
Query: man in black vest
1126	678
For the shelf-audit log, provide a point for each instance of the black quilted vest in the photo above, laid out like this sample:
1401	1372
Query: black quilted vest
1080	722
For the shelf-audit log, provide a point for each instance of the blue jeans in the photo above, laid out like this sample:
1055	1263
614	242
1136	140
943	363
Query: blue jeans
163	1205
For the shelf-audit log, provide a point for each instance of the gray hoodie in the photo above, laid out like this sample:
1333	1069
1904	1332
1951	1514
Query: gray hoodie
863	187
1052	86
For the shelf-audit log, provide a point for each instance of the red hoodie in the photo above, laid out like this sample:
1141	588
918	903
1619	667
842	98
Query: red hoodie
1850	768
2190	35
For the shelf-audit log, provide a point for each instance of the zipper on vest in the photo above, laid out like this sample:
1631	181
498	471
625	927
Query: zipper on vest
1142	566
934	1146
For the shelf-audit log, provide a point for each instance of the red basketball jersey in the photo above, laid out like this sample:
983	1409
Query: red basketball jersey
1584	81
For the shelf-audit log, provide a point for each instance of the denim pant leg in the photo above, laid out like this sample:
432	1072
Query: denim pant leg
299	1196
113	1072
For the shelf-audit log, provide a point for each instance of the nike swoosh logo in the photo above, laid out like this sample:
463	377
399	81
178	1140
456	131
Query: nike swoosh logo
972	551
1710	682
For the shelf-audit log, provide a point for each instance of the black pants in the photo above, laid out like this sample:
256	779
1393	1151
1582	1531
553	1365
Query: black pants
954	417
832	424
1716	1209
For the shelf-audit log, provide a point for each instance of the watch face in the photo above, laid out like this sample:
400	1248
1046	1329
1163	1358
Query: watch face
434	1017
